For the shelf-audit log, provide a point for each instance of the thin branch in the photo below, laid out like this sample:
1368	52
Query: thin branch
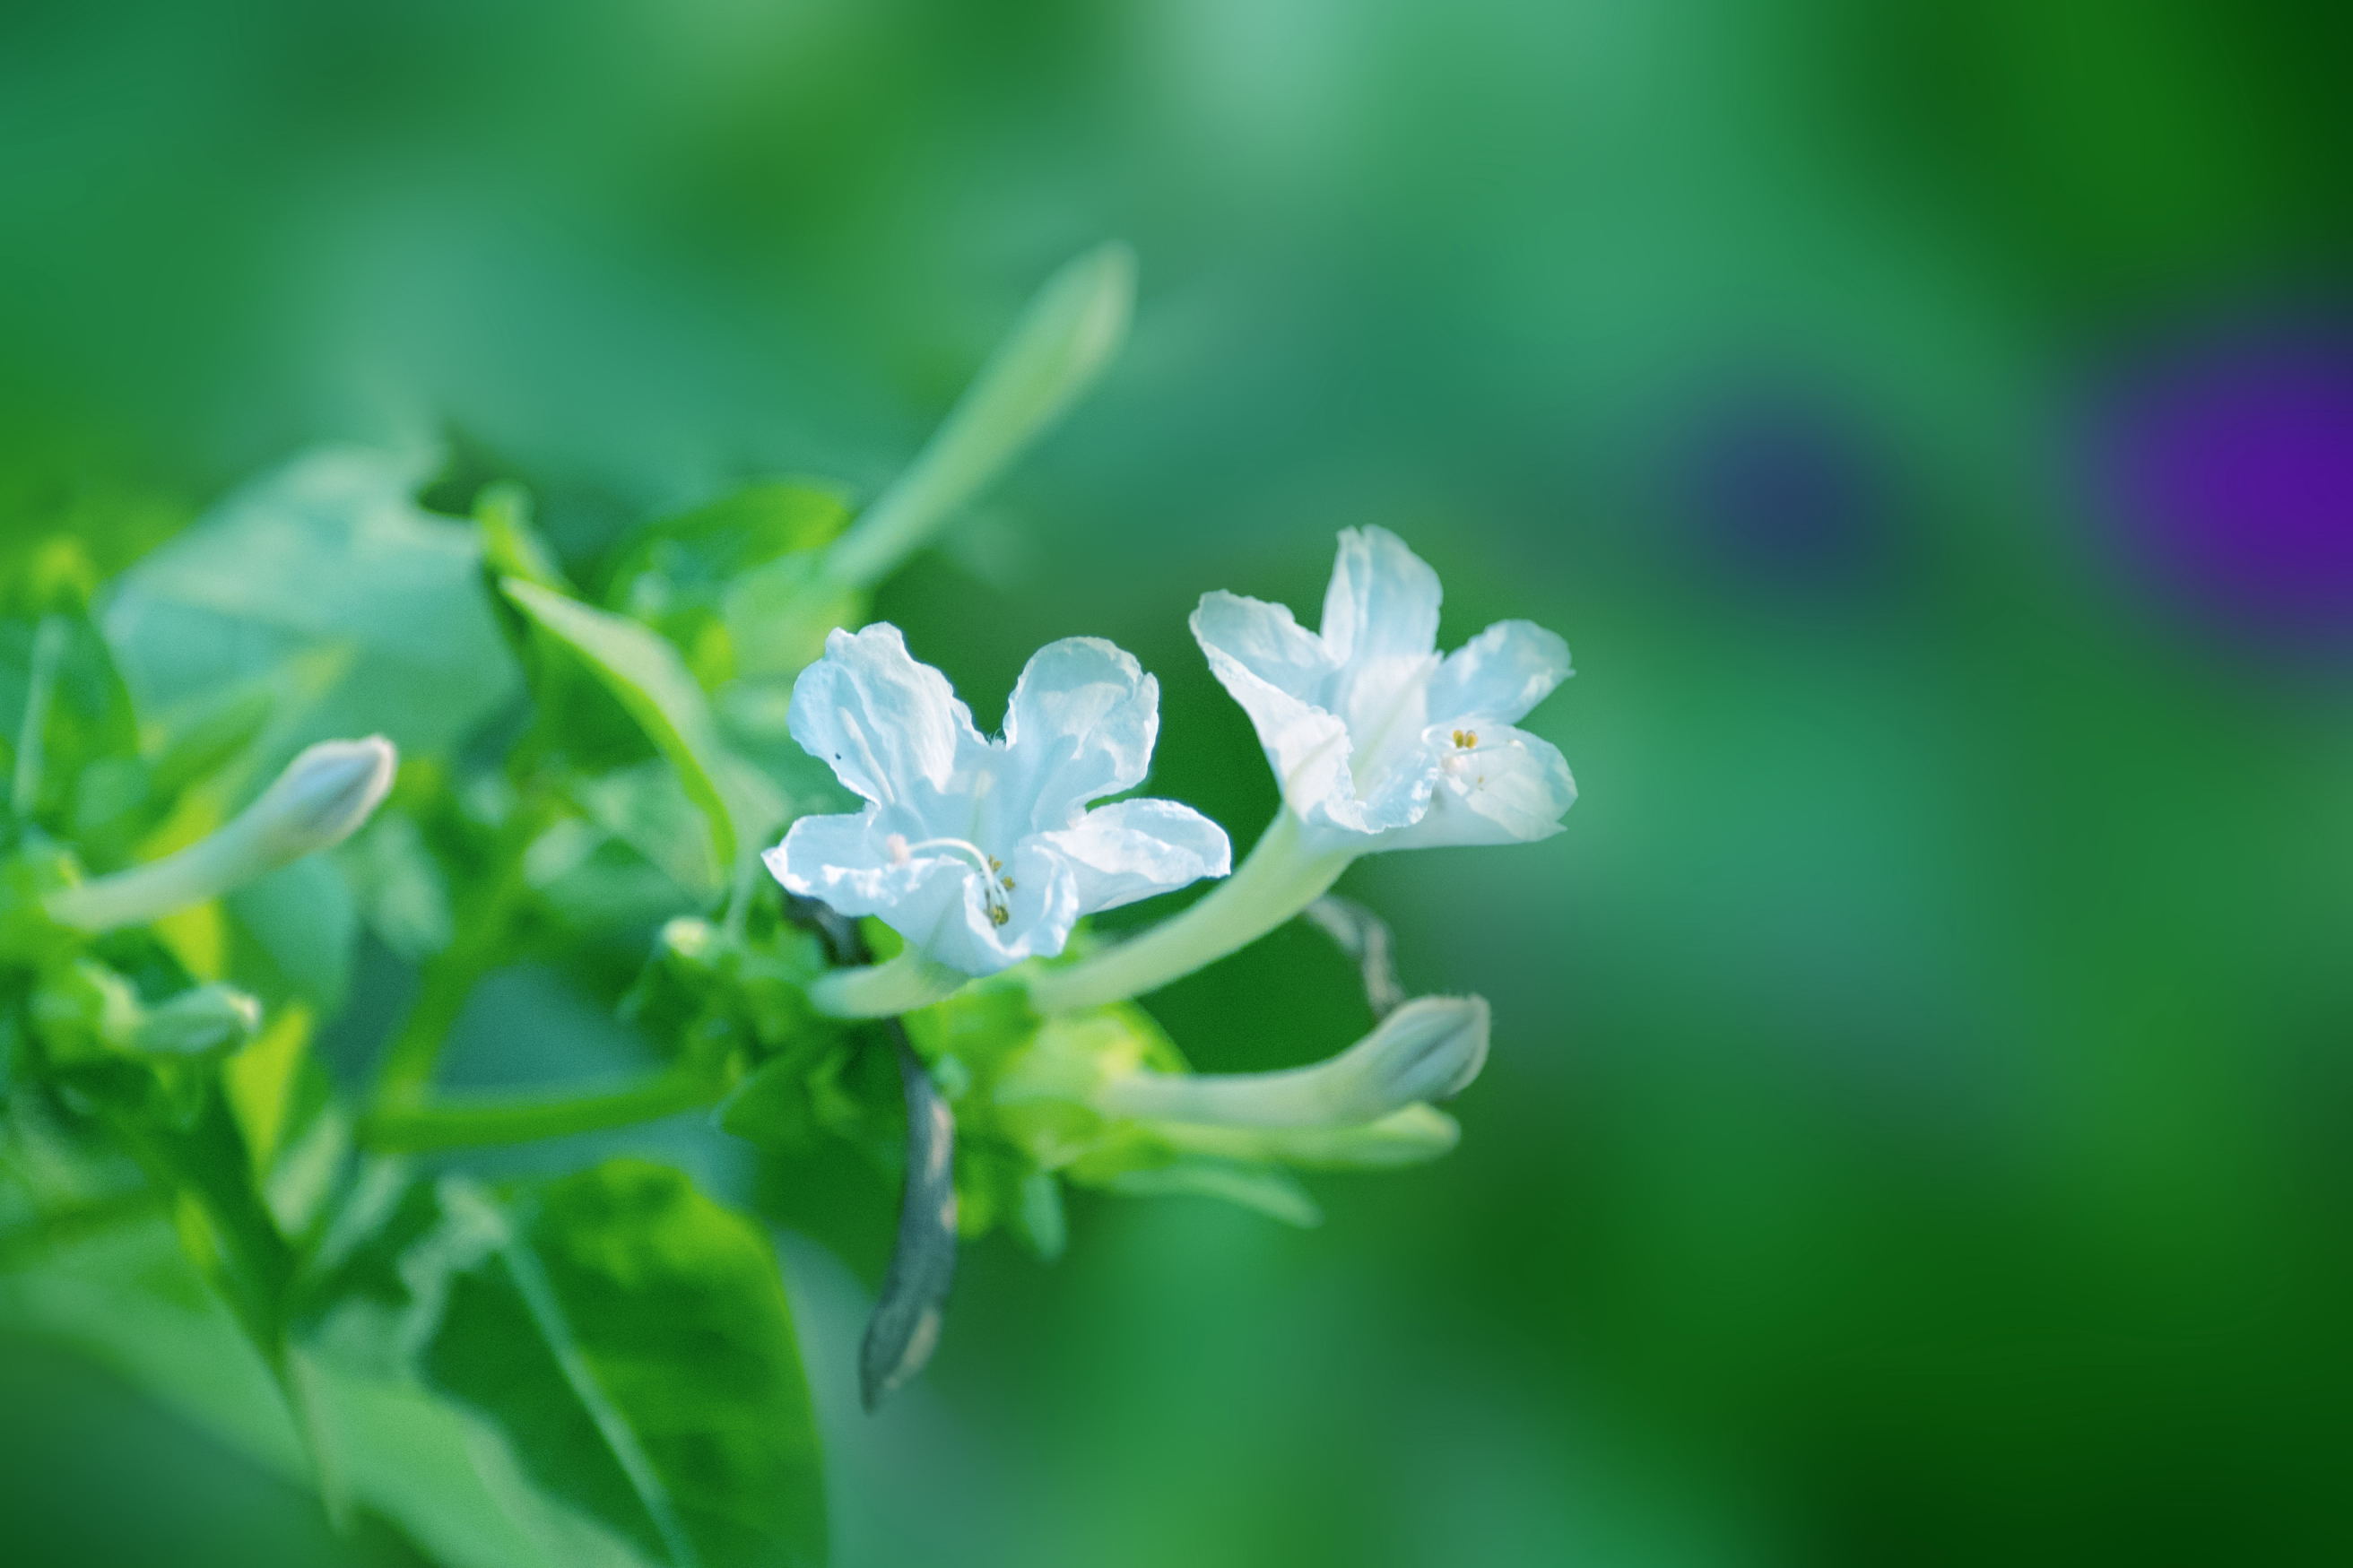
1364	937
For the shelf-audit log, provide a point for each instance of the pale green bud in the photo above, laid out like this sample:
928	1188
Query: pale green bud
1428	1049
321	798
203	1021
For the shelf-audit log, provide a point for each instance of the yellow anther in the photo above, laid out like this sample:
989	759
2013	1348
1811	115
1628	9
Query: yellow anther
1464	740
1008	883
998	914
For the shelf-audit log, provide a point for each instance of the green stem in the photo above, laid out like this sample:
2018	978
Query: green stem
447	978
204	869
489	1121
1280	878
883	990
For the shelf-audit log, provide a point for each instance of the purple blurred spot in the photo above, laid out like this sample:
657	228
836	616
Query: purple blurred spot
2229	461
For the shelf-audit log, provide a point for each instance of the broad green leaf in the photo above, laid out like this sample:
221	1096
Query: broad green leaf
646	675
681	575
632	1338
645	809
127	1298
328	552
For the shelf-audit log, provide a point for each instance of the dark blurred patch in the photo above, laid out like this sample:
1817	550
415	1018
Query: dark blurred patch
1785	489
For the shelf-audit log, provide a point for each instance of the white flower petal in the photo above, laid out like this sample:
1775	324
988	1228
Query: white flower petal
1132	850
1383	601
1266	640
846	861
1499	675
889	727
1512	788
1080	726
1307	746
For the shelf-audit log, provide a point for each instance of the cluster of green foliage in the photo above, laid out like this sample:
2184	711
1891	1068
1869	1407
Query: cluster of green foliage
592	1363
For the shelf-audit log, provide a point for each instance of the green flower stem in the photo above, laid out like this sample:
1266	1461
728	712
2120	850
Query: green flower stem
1068	334
449	976
884	990
1280	878
489	1121
204	869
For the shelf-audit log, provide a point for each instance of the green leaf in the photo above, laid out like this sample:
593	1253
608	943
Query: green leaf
644	808
648	678
681	575
512	547
63	712
328	554
295	929
401	892
127	1299
632	1338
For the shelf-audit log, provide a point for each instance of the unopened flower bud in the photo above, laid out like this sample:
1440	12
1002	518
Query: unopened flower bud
1428	1049
320	800
203	1021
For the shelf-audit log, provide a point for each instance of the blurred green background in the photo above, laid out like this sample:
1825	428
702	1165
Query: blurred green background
1917	1125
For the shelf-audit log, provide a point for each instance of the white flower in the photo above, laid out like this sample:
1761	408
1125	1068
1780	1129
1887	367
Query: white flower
1378	743
983	853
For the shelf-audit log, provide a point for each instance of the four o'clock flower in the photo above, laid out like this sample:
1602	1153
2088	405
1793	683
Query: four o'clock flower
981	853
1377	742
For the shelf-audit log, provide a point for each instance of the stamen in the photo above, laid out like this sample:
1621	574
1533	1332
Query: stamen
989	866
1466	739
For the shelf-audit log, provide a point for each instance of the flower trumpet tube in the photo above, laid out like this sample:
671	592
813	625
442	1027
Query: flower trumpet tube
1428	1049
322	799
1280	876
883	990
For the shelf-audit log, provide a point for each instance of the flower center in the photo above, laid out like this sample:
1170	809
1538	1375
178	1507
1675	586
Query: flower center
993	883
